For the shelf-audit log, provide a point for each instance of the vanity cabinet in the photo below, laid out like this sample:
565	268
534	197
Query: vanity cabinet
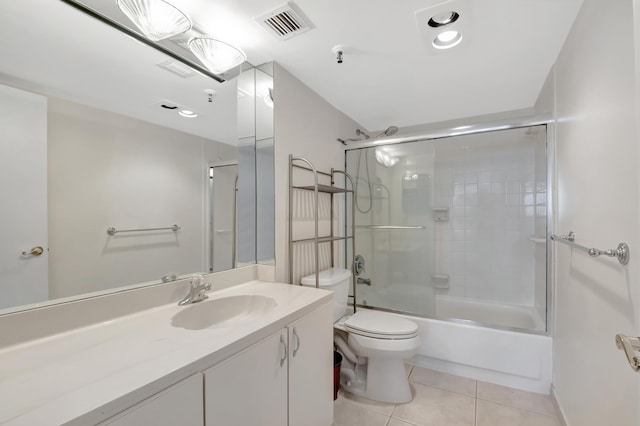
180	404
311	369
251	387
286	379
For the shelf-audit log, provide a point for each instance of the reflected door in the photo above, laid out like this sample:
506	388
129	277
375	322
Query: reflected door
223	190
23	191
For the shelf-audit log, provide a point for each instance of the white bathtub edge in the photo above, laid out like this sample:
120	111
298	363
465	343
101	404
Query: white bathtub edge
517	360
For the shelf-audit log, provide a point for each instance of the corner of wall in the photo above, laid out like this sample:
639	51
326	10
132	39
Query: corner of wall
305	125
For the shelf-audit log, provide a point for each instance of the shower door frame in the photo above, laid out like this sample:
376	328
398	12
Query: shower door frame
209	248
444	133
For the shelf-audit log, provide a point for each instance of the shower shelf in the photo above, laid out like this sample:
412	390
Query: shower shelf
318	188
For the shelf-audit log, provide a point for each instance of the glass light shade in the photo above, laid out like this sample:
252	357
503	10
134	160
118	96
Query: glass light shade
156	19
216	55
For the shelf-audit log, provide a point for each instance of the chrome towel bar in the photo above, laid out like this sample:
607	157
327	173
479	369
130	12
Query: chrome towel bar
621	252
390	227
113	231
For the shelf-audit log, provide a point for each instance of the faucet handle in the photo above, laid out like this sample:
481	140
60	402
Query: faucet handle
196	280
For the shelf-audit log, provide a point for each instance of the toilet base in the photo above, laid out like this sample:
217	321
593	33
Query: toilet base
380	379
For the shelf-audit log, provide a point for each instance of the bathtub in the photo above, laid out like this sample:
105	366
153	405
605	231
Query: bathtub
474	348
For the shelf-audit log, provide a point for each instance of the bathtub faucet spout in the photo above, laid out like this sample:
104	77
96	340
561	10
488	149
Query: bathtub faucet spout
365	281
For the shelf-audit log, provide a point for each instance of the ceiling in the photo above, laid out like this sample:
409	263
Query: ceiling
390	74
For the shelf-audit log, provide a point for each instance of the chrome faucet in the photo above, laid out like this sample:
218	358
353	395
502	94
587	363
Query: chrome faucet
197	291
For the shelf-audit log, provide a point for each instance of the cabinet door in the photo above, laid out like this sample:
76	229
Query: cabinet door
311	369
249	389
181	404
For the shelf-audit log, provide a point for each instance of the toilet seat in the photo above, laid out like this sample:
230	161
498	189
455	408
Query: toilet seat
380	325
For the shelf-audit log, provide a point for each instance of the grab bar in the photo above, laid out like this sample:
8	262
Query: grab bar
390	227
621	252
113	231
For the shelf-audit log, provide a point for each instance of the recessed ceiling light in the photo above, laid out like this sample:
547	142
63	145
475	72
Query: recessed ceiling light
447	39
187	113
443	19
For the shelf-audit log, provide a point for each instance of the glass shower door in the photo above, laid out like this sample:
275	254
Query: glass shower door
394	226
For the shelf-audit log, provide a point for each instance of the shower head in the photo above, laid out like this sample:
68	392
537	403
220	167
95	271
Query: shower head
362	133
391	130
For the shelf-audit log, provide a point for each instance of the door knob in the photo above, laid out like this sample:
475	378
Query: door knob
35	251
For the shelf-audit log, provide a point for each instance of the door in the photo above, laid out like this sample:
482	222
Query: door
249	388
223	193
23	191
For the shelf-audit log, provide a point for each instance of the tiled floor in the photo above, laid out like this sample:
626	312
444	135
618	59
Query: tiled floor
444	400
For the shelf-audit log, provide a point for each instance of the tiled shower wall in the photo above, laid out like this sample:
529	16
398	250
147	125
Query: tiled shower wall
496	196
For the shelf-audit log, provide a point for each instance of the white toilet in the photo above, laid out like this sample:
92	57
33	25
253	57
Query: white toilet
373	344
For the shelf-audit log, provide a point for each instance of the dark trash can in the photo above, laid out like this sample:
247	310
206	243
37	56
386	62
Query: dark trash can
337	362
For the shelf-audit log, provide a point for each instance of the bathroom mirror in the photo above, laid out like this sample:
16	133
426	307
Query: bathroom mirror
124	165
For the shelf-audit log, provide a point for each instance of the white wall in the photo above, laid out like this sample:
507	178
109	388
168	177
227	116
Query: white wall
109	170
305	125
597	197
488	181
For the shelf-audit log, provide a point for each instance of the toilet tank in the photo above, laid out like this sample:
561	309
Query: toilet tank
336	280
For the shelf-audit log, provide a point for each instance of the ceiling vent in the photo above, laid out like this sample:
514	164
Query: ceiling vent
285	22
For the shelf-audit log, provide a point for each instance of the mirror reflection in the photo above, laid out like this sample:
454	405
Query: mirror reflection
100	131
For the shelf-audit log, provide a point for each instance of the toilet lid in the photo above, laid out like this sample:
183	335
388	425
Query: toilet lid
380	324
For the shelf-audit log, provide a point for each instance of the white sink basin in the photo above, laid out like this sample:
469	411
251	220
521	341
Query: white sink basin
216	312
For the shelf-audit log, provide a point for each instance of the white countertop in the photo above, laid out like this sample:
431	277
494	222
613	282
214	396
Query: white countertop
89	374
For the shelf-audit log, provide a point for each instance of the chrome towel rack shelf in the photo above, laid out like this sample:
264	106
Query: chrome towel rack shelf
113	231
621	252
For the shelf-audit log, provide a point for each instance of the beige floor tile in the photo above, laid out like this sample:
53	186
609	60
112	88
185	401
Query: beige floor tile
379	407
524	400
492	414
396	422
449	382
435	407
347	414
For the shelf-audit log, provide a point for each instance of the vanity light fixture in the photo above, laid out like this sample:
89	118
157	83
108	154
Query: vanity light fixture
216	55
447	39
156	19
186	113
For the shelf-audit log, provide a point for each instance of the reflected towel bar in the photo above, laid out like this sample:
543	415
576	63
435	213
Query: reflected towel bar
390	227
113	231
621	252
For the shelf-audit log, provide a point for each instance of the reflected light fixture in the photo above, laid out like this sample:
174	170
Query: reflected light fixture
156	19
385	159
216	55
186	113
